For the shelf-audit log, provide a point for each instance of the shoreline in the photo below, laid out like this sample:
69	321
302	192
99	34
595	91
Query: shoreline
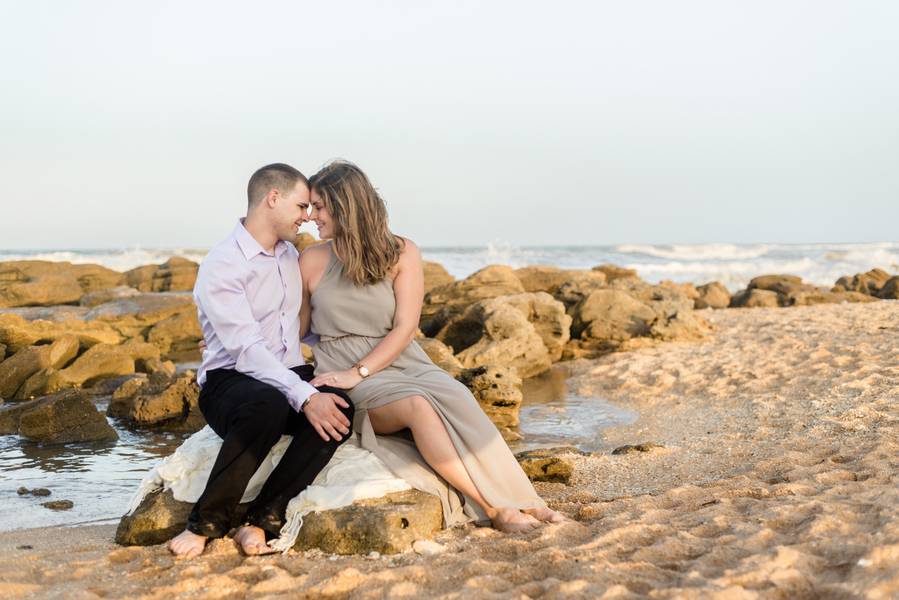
777	478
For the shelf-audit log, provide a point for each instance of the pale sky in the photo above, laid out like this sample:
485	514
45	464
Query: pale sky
138	124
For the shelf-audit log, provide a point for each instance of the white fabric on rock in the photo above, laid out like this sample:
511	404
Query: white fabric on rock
352	474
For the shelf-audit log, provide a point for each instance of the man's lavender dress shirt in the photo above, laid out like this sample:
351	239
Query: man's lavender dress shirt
248	302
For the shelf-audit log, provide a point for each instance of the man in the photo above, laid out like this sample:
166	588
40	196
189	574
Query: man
253	378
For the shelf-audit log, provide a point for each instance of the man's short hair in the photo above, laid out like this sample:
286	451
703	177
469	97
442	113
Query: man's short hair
279	176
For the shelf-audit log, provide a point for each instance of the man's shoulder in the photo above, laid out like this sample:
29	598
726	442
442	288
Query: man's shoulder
224	259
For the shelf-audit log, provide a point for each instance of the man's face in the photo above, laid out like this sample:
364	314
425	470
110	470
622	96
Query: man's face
291	211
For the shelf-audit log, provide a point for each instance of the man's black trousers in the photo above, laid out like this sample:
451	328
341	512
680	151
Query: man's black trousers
250	417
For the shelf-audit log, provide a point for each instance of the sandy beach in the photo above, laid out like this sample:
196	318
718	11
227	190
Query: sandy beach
777	478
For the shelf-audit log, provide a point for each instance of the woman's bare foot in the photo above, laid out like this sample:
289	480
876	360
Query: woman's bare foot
512	520
547	515
251	540
187	544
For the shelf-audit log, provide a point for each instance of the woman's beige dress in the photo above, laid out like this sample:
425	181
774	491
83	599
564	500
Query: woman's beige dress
351	320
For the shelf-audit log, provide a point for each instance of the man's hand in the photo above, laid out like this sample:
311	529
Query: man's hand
322	412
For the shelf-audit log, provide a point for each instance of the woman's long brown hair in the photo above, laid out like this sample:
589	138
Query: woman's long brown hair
362	240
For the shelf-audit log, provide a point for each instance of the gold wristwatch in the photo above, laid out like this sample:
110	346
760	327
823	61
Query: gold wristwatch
363	370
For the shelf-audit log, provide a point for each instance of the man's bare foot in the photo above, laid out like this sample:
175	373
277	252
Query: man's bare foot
547	515
187	544
252	541
512	520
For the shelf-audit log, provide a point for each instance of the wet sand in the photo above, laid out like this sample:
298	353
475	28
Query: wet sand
779	478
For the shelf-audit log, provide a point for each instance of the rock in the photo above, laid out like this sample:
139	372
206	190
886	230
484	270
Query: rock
548	464
387	525
123	397
498	391
753	298
174	275
613	272
24	491
157	519
58	504
428	548
177	336
634	448
792	291
61	418
45	283
134	316
19	330
452	298
609	314
548	317
102	361
869	283
890	289
435	275
103	296
539	278
712	295
440	354
688	290
495	332
170	404
16	370
304	240
578	286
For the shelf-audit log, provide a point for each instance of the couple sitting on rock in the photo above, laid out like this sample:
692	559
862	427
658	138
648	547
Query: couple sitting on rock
358	298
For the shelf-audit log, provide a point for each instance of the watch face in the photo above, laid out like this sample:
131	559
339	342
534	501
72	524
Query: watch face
363	371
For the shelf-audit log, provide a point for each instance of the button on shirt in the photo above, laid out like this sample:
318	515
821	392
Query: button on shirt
248	302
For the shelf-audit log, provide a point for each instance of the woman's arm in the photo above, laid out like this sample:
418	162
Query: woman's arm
408	289
313	261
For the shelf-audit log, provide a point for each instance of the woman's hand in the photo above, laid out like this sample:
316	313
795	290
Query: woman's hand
344	380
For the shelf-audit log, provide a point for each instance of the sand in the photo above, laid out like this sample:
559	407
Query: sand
779	478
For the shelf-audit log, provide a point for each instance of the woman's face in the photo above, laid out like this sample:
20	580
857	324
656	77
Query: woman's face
322	217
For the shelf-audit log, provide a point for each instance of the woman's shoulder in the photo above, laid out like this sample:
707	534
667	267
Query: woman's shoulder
409	248
316	256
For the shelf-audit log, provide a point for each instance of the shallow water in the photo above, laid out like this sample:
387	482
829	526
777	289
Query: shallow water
101	477
552	416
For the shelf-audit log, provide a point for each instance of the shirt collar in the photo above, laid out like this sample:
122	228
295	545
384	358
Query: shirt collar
248	244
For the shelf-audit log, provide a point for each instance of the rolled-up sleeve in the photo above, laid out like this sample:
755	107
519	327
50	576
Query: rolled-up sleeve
223	301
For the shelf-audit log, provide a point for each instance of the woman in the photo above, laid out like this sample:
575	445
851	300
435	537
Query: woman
364	288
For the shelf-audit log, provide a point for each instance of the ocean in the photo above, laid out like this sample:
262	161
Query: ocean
731	264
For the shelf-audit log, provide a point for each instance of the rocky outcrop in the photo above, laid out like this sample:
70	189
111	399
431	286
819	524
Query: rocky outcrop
614	272
539	278
869	283
628	309
177	336
159	402
446	301
754	298
712	295
890	289
174	275
387	525
440	354
45	283
578	286
103	296
101	361
17	369
792	291
435	275
21	328
525	331
62	418
110	322
498	391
